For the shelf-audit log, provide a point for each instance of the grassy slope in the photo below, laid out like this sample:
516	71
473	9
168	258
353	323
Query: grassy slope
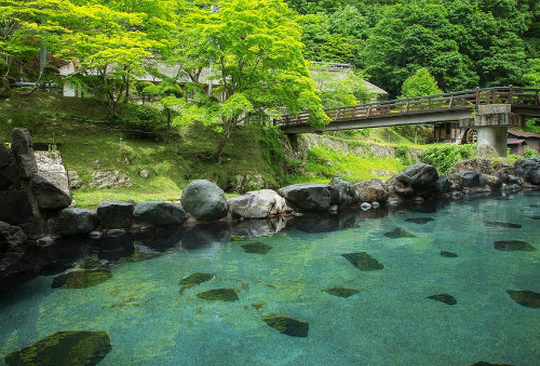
89	147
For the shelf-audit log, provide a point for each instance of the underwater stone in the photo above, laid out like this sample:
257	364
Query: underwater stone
483	363
256	248
513	245
399	233
525	298
507	225
535	217
448	254
196	278
288	326
341	291
82	279
420	220
447	299
68	348
220	294
363	261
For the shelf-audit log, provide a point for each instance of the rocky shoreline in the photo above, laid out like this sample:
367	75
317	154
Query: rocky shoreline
38	229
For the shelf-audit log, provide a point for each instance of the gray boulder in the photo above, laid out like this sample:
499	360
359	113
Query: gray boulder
347	195
21	146
51	167
443	185
158	213
10	237
371	190
492	181
484	166
10	173
5	156
204	200
115	214
310	196
257	204
416	180
529	169
48	195
465	179
73	221
15	207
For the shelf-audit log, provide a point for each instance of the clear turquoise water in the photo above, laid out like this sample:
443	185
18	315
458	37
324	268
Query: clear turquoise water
389	322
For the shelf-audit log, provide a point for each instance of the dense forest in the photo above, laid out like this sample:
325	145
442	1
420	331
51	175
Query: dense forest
255	54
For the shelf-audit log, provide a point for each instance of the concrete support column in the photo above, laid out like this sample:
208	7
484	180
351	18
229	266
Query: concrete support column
494	136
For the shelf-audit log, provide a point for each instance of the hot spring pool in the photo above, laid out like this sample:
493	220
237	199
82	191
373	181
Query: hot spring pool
465	249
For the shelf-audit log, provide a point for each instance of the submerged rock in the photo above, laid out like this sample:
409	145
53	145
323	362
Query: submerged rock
256	248
448	254
399	233
288	326
525	298
219	294
363	261
535	217
82	279
194	279
507	225
69	348
341	291
447	299
483	363
513	245
420	220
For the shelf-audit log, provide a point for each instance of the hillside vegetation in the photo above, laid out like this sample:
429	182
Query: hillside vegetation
56	123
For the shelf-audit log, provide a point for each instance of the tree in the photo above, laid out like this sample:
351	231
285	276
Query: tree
25	28
260	68
418	84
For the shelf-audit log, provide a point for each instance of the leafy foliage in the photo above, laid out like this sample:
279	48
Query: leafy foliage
445	157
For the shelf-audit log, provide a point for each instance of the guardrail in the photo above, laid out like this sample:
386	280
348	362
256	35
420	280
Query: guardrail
460	100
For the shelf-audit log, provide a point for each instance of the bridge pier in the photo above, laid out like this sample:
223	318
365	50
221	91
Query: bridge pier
492	123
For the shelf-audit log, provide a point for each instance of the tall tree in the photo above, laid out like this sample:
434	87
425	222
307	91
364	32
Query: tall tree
259	64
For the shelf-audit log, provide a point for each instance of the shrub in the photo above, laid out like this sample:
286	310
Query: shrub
445	157
141	120
530	153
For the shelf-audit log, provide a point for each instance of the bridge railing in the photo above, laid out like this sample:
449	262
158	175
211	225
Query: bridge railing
467	99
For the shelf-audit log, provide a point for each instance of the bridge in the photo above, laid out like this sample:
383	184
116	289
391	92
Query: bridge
490	111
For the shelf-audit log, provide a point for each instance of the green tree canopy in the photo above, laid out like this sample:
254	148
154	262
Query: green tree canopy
418	84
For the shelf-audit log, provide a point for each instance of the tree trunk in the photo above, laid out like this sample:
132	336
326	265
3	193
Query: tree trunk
229	125
5	91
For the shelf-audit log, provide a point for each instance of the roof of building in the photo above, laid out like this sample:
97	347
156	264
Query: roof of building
523	134
515	141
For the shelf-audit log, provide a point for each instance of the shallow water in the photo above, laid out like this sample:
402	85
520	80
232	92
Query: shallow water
389	321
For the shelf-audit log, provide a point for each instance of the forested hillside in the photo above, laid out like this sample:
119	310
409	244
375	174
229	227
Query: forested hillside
463	43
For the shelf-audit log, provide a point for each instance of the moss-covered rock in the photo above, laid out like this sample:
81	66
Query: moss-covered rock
77	348
288	326
526	298
448	254
513	245
219	294
399	232
194	279
256	248
363	261
82	279
341	291
447	299
420	220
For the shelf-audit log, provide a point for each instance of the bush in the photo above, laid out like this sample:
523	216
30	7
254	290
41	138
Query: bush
141	120
445	157
530	153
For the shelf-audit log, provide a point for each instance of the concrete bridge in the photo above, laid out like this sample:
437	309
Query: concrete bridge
489	111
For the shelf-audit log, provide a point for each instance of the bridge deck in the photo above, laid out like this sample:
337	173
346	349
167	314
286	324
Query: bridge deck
425	109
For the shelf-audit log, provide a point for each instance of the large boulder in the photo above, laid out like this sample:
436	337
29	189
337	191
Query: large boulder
257	204
310	196
484	166
347	195
465	179
443	185
373	190
529	169
204	200
158	213
21	145
416	180
48	195
491	181
5	156
115	214
15	207
73	221
51	167
10	237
